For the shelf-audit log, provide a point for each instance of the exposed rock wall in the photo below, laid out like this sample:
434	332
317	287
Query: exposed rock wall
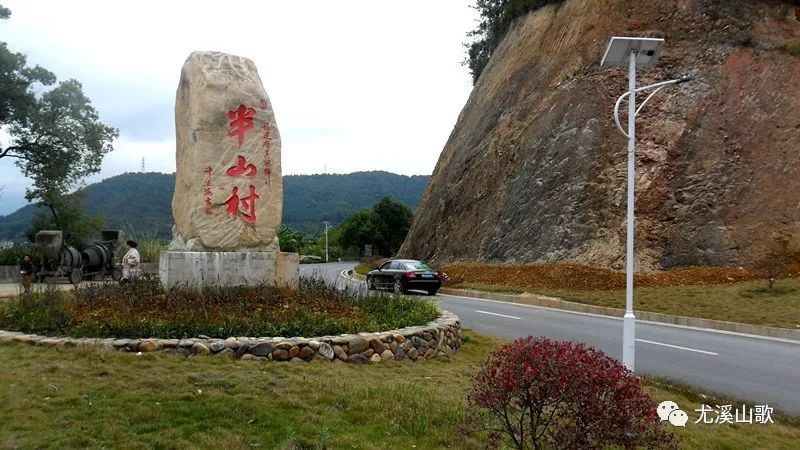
534	170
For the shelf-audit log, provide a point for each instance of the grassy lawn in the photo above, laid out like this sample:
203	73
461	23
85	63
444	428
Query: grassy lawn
73	397
745	301
363	269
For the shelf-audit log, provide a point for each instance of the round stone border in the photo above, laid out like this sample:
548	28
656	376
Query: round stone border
440	337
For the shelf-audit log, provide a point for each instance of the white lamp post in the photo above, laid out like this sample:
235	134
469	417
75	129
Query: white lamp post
634	52
326	240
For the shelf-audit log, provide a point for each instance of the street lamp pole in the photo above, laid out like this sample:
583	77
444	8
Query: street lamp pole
642	52
629	320
326	240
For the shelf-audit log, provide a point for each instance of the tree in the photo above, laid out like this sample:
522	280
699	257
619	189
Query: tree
538	393
385	226
292	241
67	215
17	82
497	16
57	138
781	259
360	228
59	142
394	223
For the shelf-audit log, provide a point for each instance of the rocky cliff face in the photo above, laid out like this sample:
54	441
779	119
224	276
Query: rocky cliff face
534	170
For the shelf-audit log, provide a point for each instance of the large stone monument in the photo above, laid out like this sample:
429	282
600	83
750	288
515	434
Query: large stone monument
228	195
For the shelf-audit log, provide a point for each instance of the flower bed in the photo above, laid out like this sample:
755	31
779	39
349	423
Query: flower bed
144	317
145	308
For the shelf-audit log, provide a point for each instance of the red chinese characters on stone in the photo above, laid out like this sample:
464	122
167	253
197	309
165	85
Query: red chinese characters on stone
241	121
242	206
267	159
207	189
242	167
245	206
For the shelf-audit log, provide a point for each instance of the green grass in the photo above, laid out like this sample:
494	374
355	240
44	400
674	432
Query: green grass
745	302
792	49
149	246
72	397
363	269
783	433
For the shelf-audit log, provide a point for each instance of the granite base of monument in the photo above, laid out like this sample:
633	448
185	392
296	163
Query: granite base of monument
198	269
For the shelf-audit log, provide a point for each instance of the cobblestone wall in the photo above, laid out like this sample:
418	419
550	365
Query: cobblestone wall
441	337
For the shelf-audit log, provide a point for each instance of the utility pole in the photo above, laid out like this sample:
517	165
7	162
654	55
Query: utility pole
633	52
326	240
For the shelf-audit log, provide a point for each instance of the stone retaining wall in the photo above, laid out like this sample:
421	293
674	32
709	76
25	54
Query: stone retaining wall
441	337
10	274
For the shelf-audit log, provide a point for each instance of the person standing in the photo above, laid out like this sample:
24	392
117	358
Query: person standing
130	262
26	273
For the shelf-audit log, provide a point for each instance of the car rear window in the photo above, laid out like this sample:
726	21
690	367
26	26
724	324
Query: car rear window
417	266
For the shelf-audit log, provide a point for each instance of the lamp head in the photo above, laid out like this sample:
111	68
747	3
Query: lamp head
620	48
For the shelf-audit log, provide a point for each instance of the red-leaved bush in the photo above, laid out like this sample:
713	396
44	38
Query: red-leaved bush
537	393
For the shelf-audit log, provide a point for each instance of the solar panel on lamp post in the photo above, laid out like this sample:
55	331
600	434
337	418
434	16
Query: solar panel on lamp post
635	52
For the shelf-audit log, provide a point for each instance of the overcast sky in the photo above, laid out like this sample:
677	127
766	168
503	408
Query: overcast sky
356	85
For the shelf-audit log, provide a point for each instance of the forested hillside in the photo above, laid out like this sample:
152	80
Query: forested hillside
140	203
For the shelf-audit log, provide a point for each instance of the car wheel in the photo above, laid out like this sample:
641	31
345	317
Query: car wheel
432	291
398	286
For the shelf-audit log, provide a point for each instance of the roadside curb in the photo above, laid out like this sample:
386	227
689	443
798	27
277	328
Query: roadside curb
356	276
695	322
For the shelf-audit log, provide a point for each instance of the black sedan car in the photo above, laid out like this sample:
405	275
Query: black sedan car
401	275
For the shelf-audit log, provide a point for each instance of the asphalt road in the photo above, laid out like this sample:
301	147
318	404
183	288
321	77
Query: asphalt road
764	371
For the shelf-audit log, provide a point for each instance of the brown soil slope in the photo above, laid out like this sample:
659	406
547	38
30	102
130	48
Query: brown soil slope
534	170
577	278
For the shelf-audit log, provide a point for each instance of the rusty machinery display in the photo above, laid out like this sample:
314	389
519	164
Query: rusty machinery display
96	261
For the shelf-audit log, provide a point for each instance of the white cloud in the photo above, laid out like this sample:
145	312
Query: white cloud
356	85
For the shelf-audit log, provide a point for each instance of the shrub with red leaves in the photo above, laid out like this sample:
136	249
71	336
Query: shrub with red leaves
537	393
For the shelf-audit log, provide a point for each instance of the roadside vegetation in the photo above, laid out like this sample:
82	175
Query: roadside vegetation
55	138
76	397
363	268
735	295
383	226
496	18
537	393
143	309
149	246
12	255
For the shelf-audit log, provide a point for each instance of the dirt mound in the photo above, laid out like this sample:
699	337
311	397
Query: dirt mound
574	277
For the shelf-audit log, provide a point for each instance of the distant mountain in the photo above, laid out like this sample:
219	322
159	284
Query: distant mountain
141	203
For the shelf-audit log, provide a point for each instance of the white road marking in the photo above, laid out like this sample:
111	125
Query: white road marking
601	316
678	347
498	315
